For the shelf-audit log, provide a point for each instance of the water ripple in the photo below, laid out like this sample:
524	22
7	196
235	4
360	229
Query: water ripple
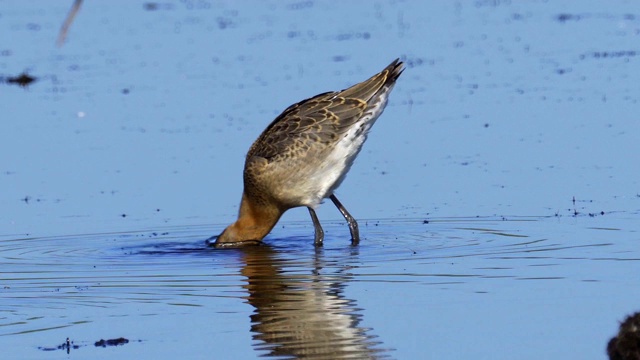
296	293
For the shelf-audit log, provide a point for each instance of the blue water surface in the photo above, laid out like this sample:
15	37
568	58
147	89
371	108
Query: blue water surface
498	194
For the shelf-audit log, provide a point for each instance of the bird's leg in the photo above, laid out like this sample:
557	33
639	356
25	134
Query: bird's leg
319	233
353	225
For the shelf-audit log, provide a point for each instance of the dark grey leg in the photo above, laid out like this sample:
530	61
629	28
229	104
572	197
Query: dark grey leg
353	225
319	233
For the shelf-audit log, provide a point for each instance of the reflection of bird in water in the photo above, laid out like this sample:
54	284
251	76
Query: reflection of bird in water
304	154
626	345
303	315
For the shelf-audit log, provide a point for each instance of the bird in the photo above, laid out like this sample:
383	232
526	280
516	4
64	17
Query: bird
303	156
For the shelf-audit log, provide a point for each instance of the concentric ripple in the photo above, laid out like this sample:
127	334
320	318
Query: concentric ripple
293	296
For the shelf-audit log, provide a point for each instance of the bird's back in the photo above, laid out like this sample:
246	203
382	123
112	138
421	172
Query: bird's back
305	153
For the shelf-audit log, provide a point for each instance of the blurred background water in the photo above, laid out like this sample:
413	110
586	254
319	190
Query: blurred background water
502	175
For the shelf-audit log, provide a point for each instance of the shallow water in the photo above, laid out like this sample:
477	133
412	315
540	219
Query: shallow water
497	196
451	287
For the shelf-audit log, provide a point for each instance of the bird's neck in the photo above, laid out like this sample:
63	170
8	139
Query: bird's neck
255	220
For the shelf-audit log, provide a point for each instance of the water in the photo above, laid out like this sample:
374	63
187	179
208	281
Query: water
450	287
497	195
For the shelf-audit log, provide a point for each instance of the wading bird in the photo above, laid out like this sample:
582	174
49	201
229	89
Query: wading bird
304	154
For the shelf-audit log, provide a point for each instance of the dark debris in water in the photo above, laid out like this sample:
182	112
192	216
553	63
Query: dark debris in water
610	54
576	211
224	22
154	6
22	80
68	345
566	17
111	342
353	36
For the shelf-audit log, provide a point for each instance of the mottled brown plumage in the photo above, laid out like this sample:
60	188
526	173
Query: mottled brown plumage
304	155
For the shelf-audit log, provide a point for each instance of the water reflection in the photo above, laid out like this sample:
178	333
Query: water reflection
304	313
305	301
